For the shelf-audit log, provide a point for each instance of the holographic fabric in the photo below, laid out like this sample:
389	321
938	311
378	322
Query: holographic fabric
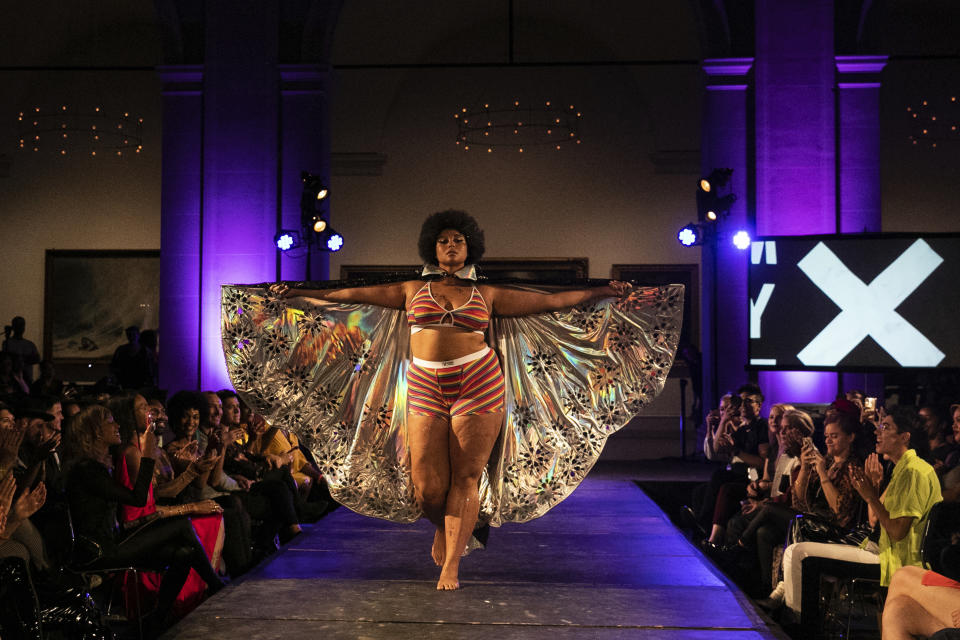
335	375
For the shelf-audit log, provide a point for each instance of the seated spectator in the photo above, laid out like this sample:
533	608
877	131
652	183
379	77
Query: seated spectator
771	515
728	409
745	440
939	434
950	480
167	544
821	489
281	449
268	497
135	423
901	511
920	603
24	539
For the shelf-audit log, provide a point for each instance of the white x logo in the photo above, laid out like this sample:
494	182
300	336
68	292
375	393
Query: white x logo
870	310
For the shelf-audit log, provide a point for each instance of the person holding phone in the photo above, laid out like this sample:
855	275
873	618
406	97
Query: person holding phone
168	545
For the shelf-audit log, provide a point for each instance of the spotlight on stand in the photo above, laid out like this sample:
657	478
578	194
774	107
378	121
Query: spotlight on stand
312	202
710	205
287	239
689	235
717	179
741	240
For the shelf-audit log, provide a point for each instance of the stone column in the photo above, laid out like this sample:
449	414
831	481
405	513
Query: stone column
858	136
240	162
795	146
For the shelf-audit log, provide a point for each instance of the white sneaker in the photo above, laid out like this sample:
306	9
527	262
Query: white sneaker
777	595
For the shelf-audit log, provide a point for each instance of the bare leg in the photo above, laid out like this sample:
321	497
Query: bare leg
716	534
471	441
912	609
430	469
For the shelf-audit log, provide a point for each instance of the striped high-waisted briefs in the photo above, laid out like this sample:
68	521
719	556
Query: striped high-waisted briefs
468	385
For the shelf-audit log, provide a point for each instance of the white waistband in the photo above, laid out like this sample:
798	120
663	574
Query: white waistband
431	364
417	328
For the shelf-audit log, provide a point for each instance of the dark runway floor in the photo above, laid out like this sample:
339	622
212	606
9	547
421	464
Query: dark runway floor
604	564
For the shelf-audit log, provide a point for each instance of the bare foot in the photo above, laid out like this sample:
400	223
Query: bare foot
439	551
447	583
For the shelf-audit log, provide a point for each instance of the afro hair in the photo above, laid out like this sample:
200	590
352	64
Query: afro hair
450	219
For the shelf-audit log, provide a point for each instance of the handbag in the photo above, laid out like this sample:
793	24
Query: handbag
807	527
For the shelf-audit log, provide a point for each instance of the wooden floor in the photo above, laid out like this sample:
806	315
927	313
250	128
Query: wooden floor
606	564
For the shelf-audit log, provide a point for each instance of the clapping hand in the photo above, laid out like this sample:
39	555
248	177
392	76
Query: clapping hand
10	440
873	470
860	483
48	446
8	486
30	501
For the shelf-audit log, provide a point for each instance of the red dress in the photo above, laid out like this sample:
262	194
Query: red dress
209	529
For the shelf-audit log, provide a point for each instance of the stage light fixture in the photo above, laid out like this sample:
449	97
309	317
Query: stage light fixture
319	224
741	240
716	180
711	207
287	239
335	242
329	240
313	189
689	235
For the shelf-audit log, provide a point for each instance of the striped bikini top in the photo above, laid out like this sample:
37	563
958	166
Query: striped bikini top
425	312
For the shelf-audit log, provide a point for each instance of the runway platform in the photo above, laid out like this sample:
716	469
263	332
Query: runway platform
606	564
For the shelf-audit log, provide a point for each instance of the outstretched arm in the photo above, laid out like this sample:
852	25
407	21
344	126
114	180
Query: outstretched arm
391	295
515	302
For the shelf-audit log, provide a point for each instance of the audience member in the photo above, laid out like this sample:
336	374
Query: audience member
746	443
132	415
768	528
130	365
920	603
900	510
11	377
15	344
47	384
168	545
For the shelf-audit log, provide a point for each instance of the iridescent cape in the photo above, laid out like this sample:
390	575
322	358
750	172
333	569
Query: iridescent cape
335	374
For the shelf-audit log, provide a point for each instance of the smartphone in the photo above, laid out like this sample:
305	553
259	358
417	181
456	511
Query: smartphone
870	404
808	441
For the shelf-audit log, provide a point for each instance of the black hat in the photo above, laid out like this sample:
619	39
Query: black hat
30	409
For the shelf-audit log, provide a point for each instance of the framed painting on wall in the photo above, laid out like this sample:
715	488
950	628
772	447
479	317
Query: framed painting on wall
654	275
91	296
